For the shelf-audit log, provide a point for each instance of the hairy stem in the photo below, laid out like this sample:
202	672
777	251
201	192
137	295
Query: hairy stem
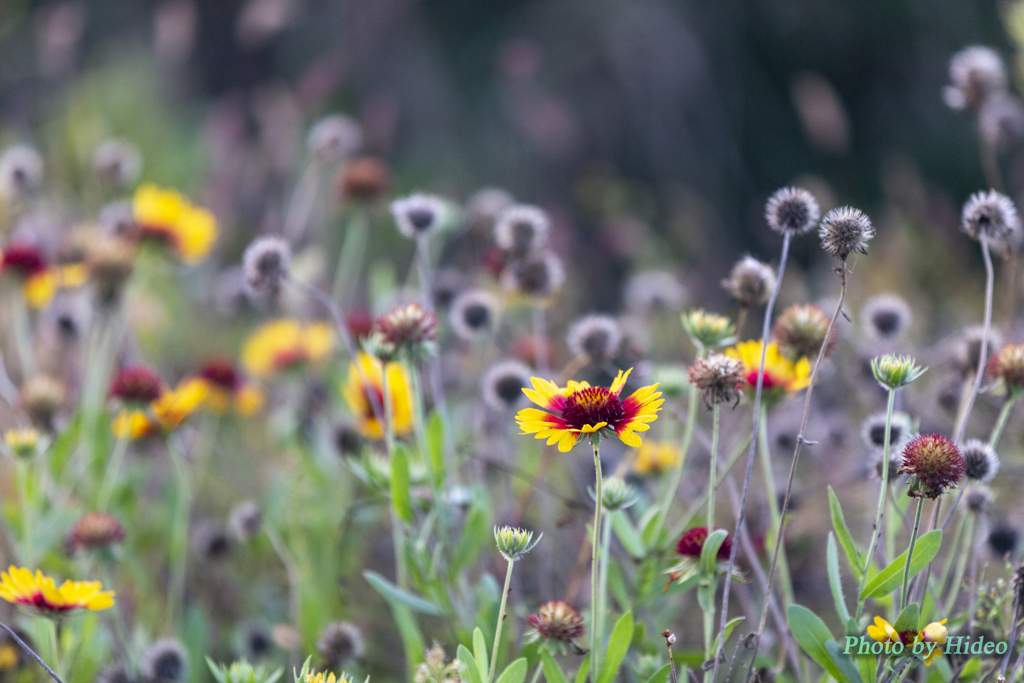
501	619
904	592
677	473
979	373
595	637
713	466
882	495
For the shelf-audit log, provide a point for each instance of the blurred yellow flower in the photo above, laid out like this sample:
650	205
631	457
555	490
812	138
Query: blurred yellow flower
40	288
227	389
654	457
132	424
286	344
39	592
21	442
164	414
780	373
167	216
8	657
359	397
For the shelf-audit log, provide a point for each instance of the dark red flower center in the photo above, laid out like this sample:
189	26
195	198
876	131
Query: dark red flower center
137	385
221	373
769	381
289	358
692	543
26	259
592	405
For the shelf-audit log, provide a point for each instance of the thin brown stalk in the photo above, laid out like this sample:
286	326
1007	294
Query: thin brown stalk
800	441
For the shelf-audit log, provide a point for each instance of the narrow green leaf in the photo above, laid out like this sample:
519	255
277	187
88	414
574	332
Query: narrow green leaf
515	672
400	484
844	662
890	578
709	553
727	632
660	676
469	665
581	675
812	634
618	644
552	672
412	638
843	534
835	580
435	444
971	670
480	653
627	534
910	617
392	592
868	668
476	532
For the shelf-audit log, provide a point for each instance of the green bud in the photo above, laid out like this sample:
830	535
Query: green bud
708	330
894	371
616	494
513	542
242	672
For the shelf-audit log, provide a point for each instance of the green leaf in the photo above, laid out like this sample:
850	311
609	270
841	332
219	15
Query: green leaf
552	672
400	484
709	553
475	533
843	534
812	634
480	653
971	670
469	665
844	662
868	668
890	578
648	522
910	617
618	644
835	580
435	445
727	631
515	673
627	534
412	638
392	592
581	675
660	676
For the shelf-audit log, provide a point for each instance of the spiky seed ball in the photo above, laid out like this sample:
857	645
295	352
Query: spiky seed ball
114	673
503	385
473	313
800	331
885	317
991	214
651	291
21	171
96	530
211	541
165	661
522	229
844	231
110	260
793	210
484	207
334	138
42	397
900	431
538	276
339	644
1001	120
718	377
968	349
116	164
935	464
1003	539
980	460
1007	369
256	642
245	521
407	325
557	620
364	179
136	385
265	263
979	498
750	282
595	337
974	72
692	542
418	214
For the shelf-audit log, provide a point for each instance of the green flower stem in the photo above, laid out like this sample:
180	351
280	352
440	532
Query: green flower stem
771	493
954	555
292	572
1004	415
113	472
684	448
905	591
882	493
55	646
23	338
420	420
501	619
537	672
716	412
179	537
979	373
27	514
961	565
697	505
606	543
350	259
595	638
397	535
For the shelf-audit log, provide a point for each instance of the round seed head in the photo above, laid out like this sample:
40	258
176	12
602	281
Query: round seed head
339	644
1007	369
1003	539
538	276
211	541
980	460
979	498
165	661
503	385
21	172
473	314
900	431
418	214
974	73
484	207
558	621
96	530
968	350
364	179
257	642
800	331
335	138
521	229
844	231
885	317
718	377
652	291
750	282
110	260
43	397
991	214
934	463
116	164
265	263
793	210
245	521
595	337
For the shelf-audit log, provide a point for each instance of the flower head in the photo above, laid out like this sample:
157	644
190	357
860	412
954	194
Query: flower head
793	210
39	593
617	494
885	317
595	337
110	261
901	429
654	457
418	214
165	661
167	217
334	138
265	263
22	443
1003	539
937	633
43	396
116	164
579	409
362	398
435	667
227	388
285	344
556	621
339	644
521	229
718	377
708	330
990	214
96	530
750	282
211	541
844	231
473	313
538	276
800	331
894	372
136	386
883	631
503	385
513	543
980	460
1007	369
21	171
934	463
781	374
978	498
364	179
691	543
651	291
245	520
408	329
974	72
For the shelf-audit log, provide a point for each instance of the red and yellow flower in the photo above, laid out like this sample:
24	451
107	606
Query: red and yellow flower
286	344
164	414
227	389
780	373
578	409
40	593
167	217
362	398
935	632
40	280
